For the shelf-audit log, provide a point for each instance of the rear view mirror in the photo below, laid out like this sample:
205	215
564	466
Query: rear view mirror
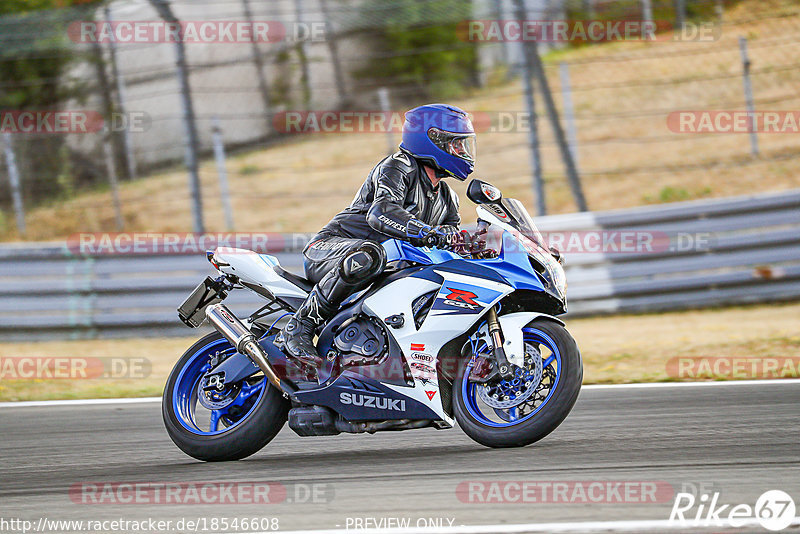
481	192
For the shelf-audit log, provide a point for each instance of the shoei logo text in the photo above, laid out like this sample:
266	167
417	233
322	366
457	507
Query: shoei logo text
369	401
774	510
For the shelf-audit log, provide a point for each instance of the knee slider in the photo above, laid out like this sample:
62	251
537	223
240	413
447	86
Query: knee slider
363	263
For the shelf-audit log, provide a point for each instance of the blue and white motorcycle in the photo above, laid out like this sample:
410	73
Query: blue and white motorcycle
442	337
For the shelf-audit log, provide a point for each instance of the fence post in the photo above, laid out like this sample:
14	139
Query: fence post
647	11
219	156
258	63
111	169
305	75
383	98
680	15
569	111
104	90
164	11
533	129
333	47
719	7
748	96
122	97
558	131
13	179
588	8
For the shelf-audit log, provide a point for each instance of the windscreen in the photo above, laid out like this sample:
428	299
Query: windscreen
522	221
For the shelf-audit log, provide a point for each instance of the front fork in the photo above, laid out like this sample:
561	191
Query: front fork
496	333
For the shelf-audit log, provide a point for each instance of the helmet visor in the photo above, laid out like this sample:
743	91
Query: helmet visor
459	145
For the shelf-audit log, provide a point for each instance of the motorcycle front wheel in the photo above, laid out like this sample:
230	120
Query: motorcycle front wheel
530	405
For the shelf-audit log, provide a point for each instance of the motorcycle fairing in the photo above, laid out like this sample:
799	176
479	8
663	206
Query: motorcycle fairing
359	398
512	266
258	269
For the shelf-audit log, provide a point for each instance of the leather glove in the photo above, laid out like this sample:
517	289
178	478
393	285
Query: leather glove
443	236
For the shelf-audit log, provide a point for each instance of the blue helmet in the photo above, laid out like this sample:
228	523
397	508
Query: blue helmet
441	136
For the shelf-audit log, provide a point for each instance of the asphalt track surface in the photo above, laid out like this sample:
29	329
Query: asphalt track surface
739	440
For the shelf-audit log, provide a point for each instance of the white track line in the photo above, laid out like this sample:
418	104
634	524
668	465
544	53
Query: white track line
587	526
78	402
645	385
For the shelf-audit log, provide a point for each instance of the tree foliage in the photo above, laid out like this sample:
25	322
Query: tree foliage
36	55
418	43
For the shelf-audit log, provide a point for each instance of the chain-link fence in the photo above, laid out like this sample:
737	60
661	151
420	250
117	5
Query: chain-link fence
653	109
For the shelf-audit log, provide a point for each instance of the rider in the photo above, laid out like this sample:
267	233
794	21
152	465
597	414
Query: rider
402	198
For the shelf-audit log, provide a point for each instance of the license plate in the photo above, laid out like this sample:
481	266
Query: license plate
193	310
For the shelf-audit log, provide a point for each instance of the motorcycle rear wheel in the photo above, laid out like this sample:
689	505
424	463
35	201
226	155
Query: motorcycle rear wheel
259	417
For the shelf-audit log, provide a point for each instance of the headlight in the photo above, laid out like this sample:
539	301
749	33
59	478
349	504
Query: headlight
554	272
546	265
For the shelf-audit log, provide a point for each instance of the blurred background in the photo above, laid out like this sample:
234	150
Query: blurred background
196	136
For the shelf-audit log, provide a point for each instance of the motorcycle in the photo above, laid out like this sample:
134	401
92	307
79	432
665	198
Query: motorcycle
468	336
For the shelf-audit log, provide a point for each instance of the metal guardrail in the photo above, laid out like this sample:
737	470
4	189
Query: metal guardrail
750	252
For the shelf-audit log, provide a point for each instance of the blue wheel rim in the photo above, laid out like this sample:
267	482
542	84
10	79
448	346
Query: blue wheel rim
184	396
469	391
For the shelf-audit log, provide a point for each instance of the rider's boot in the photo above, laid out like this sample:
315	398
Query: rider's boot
355	272
297	337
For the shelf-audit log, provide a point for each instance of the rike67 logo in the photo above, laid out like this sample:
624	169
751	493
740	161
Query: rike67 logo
773	510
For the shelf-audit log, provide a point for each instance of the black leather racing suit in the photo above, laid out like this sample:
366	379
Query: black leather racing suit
397	200
396	191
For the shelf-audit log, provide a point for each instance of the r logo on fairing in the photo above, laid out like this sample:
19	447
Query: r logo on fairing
460	294
461	298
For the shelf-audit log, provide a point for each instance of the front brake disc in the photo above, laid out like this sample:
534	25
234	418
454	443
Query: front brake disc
522	386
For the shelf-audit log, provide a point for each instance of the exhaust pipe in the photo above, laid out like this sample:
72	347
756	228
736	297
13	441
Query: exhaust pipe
242	338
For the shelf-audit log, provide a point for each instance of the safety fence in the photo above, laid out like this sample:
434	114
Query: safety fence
677	256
